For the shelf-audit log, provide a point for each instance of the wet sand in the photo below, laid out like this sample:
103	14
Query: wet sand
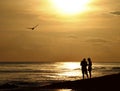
104	83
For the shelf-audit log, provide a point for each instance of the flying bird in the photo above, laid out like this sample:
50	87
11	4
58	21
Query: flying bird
32	28
115	12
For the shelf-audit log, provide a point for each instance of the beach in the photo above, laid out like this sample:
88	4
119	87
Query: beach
103	83
58	76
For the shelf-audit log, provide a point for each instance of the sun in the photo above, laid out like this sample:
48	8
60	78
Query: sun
71	7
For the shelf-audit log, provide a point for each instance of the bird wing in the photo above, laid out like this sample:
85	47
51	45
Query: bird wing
29	28
35	26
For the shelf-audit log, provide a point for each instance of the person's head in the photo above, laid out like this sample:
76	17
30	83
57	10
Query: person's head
84	59
89	59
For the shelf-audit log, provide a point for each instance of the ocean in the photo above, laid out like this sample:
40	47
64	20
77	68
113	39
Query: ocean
50	72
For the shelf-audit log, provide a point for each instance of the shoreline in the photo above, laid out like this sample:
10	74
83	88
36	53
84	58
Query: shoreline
103	83
108	82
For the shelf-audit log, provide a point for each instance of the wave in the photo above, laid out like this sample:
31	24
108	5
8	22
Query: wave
116	68
56	71
18	84
27	71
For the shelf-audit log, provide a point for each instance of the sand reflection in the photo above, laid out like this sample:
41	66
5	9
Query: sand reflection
64	90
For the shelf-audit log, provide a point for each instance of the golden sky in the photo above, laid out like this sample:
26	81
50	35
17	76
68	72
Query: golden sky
67	31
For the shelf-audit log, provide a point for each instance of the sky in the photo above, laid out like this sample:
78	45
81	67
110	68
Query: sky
62	34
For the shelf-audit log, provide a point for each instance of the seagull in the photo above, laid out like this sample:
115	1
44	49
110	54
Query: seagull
115	12
32	28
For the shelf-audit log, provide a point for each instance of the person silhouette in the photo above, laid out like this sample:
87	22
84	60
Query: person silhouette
84	68
89	67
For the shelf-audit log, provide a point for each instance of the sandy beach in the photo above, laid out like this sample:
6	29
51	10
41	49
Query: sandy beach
104	83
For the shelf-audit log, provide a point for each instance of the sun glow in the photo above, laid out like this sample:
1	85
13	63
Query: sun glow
71	7
73	68
70	65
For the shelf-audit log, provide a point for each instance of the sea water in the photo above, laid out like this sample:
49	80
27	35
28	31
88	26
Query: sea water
51	72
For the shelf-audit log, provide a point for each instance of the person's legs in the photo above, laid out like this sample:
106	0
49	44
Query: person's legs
86	73
90	73
83	73
83	76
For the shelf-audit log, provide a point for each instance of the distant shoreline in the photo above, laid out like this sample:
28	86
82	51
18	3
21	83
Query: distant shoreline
19	62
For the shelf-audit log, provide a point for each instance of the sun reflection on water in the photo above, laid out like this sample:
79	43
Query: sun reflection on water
70	65
71	69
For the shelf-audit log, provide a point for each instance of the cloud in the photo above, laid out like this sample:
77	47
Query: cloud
73	36
97	40
115	12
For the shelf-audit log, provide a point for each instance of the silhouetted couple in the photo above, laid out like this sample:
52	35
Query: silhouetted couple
86	66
